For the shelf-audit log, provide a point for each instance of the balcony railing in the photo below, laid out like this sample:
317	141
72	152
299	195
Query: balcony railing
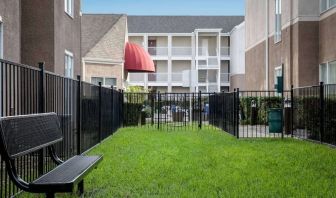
181	51
205	51
225	51
177	77
211	62
157	77
158	51
225	77
213	88
136	77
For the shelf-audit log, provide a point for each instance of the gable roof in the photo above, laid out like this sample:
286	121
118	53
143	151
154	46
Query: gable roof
94	27
181	24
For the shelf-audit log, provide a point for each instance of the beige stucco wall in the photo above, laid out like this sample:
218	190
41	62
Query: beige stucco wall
237	81
327	37
104	70
255	13
11	35
111	46
109	49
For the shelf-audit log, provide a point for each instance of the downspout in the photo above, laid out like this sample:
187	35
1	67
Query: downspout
266	50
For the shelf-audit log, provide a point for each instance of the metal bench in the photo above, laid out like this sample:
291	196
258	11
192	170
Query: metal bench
22	135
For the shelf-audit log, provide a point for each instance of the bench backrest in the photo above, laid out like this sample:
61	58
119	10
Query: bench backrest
21	135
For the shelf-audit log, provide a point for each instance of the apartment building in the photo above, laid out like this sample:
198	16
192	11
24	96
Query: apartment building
191	53
103	42
10	38
299	35
237	54
50	32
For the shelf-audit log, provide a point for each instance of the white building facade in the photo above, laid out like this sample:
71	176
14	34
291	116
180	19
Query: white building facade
190	61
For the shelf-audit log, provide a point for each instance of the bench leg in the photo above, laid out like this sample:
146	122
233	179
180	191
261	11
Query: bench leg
81	187
50	195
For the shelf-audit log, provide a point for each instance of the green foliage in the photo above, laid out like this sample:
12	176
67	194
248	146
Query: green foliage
132	114
144	162
263	105
136	89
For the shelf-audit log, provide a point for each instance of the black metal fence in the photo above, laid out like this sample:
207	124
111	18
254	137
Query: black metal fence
307	113
168	111
314	115
88	114
225	111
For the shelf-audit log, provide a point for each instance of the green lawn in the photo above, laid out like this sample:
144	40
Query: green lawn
208	163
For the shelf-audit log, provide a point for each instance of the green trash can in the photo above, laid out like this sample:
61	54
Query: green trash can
275	120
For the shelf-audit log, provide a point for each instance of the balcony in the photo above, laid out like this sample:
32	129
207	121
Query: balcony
225	51
210	62
177	77
157	52
225	78
181	51
157	78
137	78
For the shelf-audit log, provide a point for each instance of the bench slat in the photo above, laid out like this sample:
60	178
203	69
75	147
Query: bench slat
68	174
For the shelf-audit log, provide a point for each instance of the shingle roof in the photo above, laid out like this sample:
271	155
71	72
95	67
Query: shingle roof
181	24
94	27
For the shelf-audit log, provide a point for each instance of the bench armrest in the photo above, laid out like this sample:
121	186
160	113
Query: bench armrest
54	156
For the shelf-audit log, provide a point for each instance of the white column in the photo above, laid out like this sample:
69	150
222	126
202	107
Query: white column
193	65
146	80
170	63
196	62
145	41
219	60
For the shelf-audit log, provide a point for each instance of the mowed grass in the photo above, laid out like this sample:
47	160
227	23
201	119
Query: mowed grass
209	163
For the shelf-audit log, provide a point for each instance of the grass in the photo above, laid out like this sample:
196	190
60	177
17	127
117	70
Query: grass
208	163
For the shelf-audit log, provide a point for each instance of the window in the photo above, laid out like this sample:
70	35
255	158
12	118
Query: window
69	64
110	82
1	40
97	80
328	72
326	5
277	73
277	34
68	7
106	81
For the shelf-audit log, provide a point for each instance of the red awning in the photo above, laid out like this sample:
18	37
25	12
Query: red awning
137	59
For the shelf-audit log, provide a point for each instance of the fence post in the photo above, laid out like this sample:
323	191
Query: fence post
100	112
200	109
79	114
121	107
159	110
152	108
223	113
41	109
322	109
292	111
112	113
237	113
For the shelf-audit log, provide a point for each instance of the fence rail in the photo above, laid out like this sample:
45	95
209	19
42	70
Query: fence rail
87	113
